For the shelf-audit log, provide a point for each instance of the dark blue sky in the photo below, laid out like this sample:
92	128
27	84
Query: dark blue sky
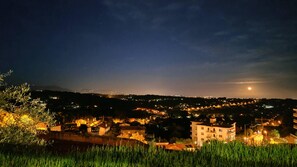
191	48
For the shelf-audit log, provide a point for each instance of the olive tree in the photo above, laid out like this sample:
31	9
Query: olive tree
20	114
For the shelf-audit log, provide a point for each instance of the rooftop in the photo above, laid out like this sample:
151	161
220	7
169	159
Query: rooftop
132	128
215	123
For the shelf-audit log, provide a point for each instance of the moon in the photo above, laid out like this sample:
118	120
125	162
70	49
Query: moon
249	88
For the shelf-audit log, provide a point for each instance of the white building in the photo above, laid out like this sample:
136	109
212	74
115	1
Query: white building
295	119
206	131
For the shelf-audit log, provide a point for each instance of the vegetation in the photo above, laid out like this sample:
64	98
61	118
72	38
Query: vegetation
274	133
19	114
213	154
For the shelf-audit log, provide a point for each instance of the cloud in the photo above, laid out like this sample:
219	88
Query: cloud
227	37
244	82
156	15
173	6
221	33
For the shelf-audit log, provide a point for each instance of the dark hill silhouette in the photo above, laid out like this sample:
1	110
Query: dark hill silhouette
49	87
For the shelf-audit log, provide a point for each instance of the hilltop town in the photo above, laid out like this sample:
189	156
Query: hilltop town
171	122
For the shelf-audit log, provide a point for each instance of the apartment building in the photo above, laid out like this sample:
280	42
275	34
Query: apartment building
212	130
295	119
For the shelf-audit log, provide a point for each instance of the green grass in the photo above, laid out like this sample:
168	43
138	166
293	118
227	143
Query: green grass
213	154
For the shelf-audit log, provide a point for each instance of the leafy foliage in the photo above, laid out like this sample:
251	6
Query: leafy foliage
275	133
19	114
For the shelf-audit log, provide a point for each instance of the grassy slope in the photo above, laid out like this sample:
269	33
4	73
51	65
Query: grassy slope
214	154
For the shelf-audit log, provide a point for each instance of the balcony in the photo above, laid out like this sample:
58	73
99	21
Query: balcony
295	127
295	115
211	131
208	136
295	121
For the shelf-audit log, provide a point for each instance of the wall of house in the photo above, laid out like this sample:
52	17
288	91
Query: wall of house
295	119
202	133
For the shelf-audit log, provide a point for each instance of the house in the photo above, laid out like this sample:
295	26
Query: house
295	119
103	128
176	147
41	126
70	127
212	130
133	132
90	121
292	139
57	128
100	129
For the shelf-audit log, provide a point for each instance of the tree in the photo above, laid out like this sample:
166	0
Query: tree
274	133
19	114
83	129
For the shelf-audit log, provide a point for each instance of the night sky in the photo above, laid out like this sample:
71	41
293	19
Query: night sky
176	47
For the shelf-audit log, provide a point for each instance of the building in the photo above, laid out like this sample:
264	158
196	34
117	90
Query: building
292	139
133	132
103	128
57	128
205	131
295	119
90	121
268	121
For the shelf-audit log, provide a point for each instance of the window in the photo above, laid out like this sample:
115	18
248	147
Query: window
220	130
220	136
202	128
214	135
202	139
202	133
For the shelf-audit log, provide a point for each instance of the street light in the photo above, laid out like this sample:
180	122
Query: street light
265	132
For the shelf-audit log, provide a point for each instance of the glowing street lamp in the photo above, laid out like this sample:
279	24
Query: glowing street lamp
265	132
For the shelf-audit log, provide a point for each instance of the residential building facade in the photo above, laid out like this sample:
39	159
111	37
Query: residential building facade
133	132
203	132
295	119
